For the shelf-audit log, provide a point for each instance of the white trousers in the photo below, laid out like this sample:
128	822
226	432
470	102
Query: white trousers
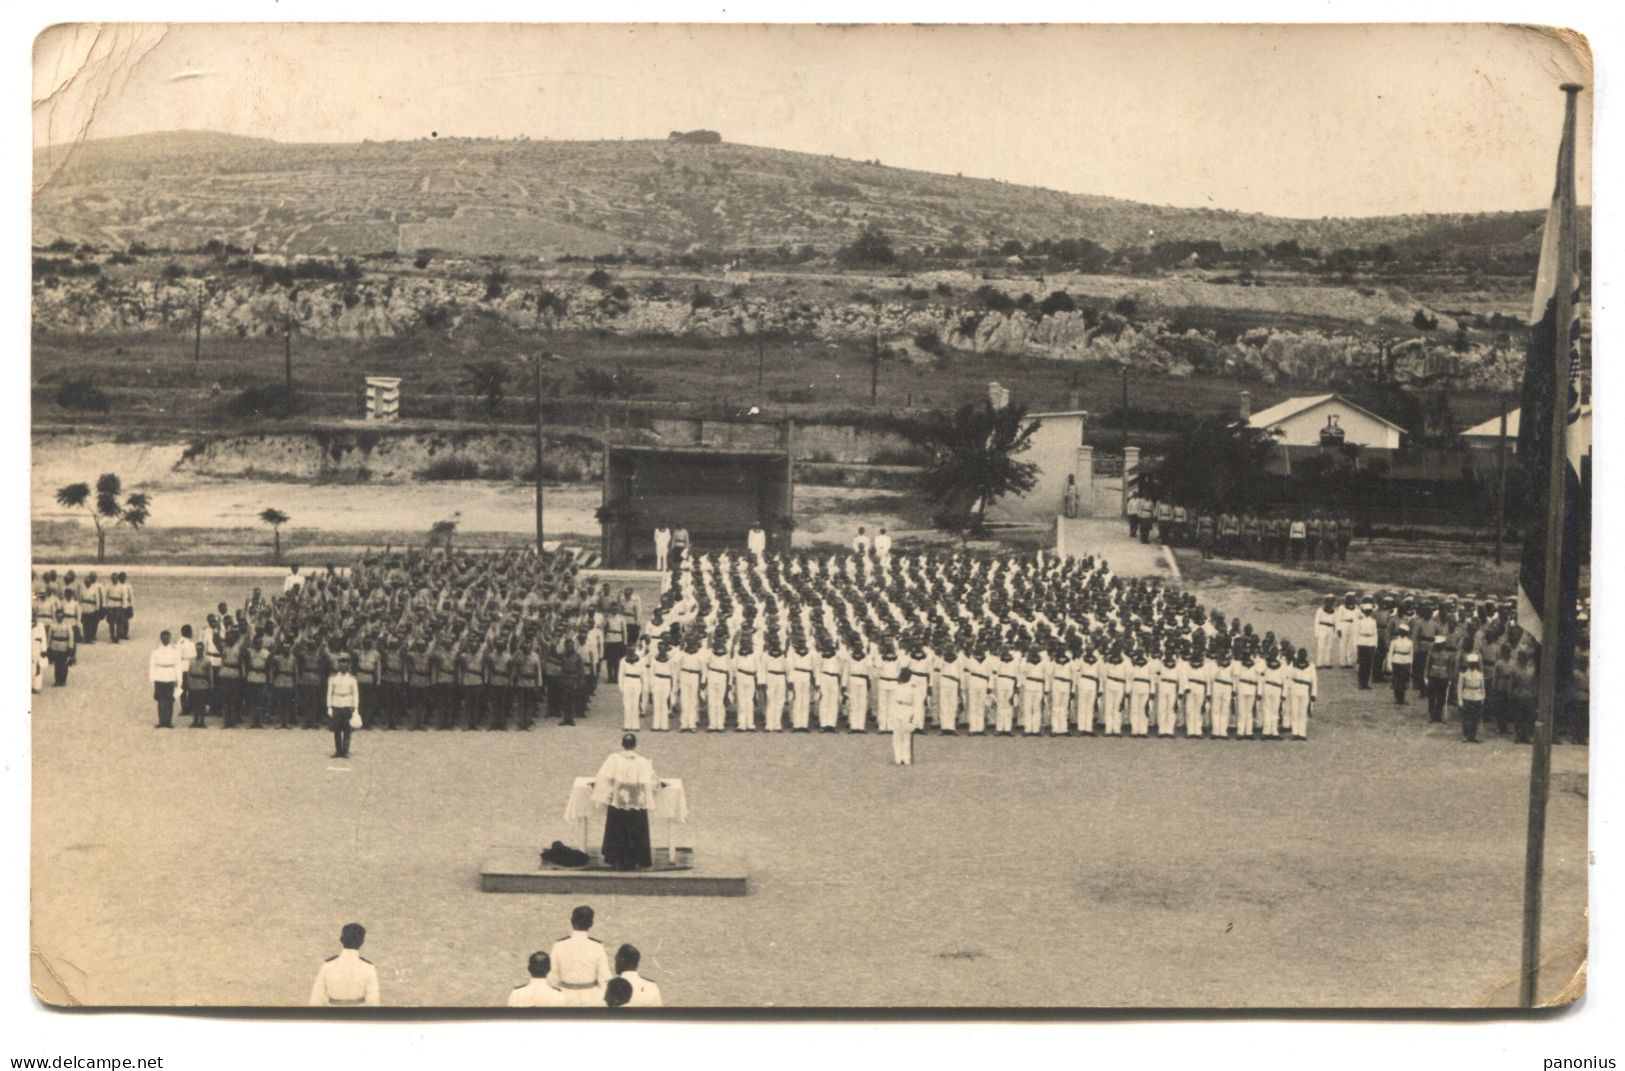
1004	698
631	704
976	705
1246	708
800	700
688	700
1220	713
948	704
1111	708
1032	706
1269	710
1060	707
1325	645
1193	712
773	712
745	701
1139	703
1087	690
1297	710
857	703
829	701
660	716
716	700
1167	696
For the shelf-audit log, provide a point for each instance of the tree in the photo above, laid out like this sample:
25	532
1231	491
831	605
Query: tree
973	460
873	246
489	379
1217	462
276	519
105	509
441	532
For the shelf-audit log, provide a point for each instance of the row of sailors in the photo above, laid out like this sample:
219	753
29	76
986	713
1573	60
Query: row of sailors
86	603
1043	687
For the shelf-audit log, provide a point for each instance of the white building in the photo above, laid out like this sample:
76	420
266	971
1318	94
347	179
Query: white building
1483	436
1058	449
1302	420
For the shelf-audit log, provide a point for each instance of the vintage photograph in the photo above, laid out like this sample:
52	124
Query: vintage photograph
623	519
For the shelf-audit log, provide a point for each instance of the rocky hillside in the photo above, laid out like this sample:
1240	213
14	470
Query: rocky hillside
547	198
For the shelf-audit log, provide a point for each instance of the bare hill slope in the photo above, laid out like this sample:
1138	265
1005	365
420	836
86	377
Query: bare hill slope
547	198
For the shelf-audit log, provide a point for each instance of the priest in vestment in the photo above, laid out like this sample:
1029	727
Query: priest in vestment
626	786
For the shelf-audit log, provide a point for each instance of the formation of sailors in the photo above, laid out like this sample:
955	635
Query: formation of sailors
1461	653
1292	536
68	612
965	643
432	639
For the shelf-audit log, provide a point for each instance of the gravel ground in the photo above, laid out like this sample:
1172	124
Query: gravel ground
1379	864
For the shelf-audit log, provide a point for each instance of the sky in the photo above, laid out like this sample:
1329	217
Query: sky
1296	121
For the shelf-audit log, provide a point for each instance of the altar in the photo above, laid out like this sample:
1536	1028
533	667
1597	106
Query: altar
670	807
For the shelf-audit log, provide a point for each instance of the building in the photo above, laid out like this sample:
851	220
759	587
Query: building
731	476
1303	421
1484	436
1059	450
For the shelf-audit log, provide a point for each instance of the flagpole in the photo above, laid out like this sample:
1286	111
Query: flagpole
1552	608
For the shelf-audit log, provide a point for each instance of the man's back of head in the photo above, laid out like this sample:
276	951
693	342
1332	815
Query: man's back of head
617	993
581	918
541	964
352	935
627	958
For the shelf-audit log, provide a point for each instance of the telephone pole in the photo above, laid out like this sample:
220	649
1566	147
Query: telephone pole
540	527
1501	483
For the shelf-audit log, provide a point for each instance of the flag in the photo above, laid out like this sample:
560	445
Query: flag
1559	267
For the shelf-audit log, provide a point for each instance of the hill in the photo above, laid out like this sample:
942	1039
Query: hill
551	198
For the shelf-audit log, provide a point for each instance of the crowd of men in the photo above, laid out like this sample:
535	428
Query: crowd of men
432	640
68	612
1464	653
1298	537
575	972
878	639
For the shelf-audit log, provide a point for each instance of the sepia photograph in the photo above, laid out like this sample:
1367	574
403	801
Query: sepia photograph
637	519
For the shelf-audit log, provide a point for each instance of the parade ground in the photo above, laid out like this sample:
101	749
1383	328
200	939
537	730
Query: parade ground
1379	864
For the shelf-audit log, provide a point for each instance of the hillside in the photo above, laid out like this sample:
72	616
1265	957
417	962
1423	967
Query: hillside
551	198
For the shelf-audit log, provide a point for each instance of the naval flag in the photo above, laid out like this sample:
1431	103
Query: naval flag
1553	364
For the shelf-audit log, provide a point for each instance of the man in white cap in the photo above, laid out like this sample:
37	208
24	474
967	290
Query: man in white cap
1400	654
1470	690
1326	631
1365	643
1348	617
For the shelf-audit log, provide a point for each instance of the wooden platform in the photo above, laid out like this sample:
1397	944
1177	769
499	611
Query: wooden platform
520	870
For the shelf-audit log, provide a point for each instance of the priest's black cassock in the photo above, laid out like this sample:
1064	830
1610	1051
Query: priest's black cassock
626	787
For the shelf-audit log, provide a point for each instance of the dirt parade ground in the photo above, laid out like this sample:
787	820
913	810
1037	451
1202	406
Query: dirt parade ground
1379	864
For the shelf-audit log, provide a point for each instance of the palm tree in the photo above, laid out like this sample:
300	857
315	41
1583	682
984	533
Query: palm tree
441	532
276	519
973	460
105	509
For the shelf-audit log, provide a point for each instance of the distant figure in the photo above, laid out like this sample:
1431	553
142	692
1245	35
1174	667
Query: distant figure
536	993
860	543
294	578
679	542
164	670
645	994
882	544
343	703
618	993
662	547
904	718
626	786
1069	497
756	541
60	648
580	966
347	980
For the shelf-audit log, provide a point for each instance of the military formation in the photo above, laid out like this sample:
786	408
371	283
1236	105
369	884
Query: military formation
1063	646
69	612
433	640
1295	537
1465	653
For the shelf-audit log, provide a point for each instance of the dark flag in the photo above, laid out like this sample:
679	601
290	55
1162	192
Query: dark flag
1558	267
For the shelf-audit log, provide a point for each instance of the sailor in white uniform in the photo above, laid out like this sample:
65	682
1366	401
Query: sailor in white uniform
346	980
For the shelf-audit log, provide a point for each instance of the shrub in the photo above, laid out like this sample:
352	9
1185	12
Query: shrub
702	299
82	394
599	278
450	468
276	400
1058	301
994	299
928	341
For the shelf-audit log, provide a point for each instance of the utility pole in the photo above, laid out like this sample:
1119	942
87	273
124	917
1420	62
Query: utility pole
761	365
287	348
874	367
1125	413
1501	482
